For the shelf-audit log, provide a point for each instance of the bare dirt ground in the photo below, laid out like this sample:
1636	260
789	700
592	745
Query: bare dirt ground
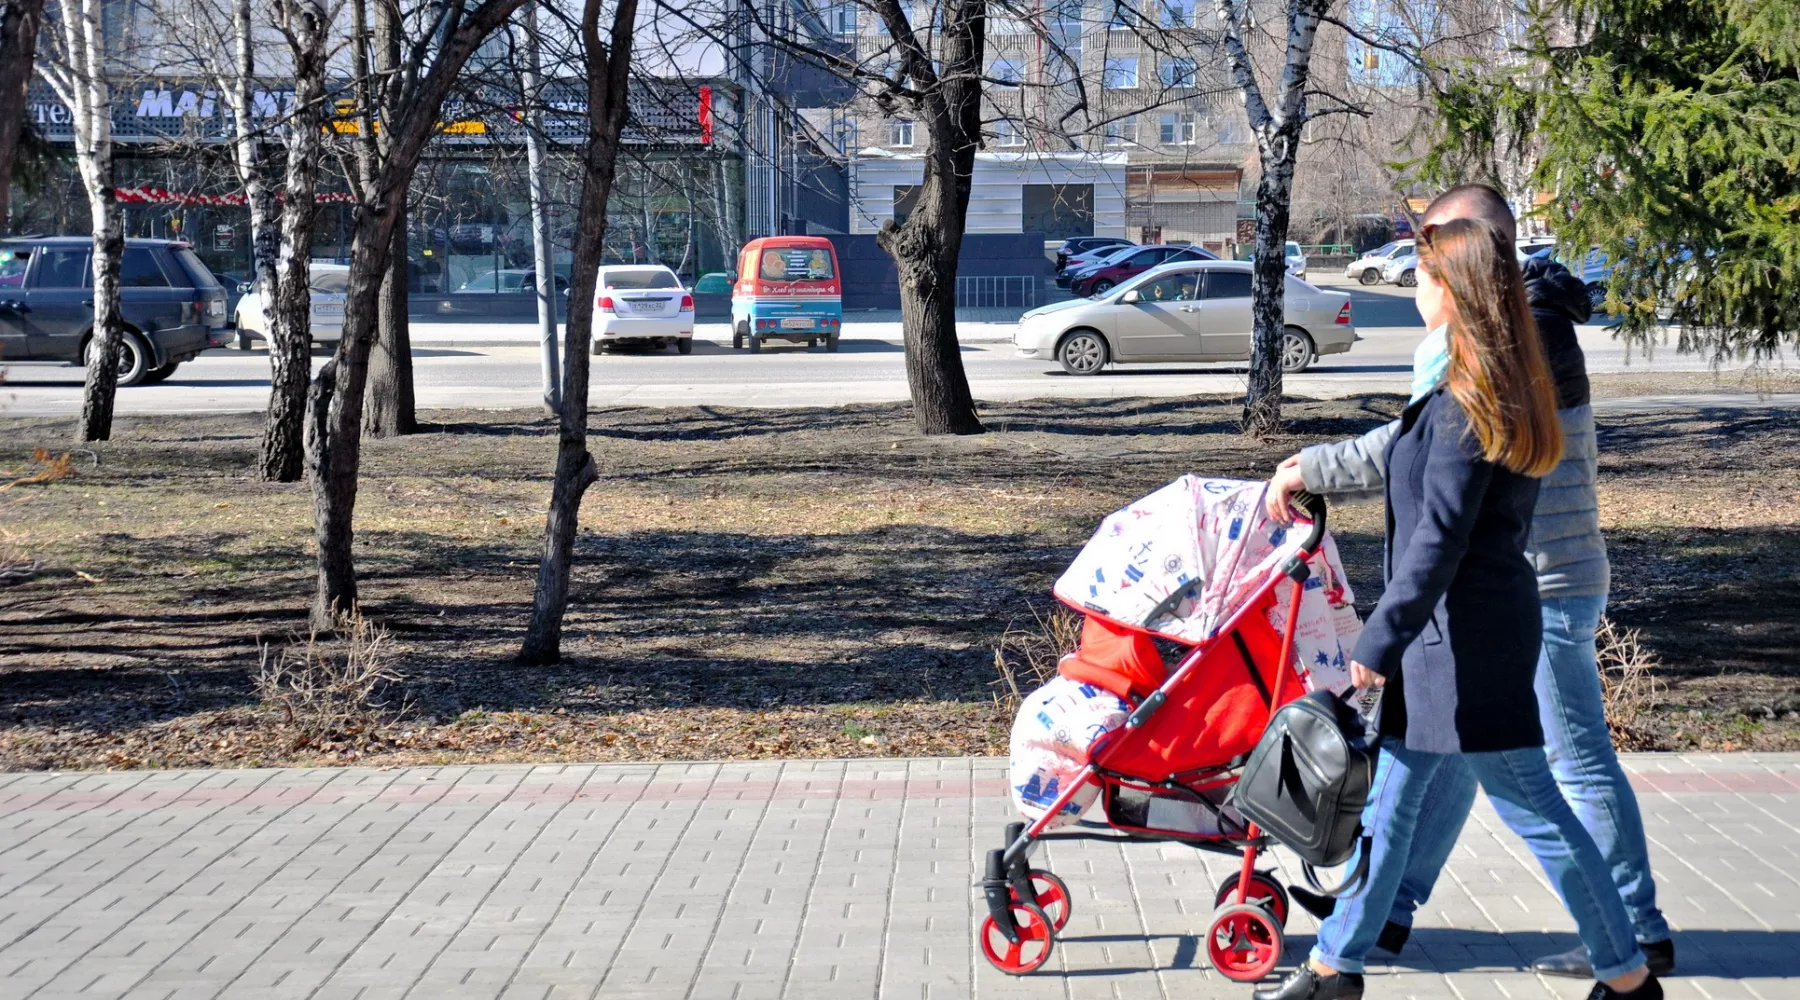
754	583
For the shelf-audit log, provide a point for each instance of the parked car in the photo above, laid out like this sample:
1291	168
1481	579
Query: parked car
644	305
1296	260
1077	245
173	306
1187	311
1098	279
330	285
1403	269
1082	261
1367	268
713	283
787	288
508	281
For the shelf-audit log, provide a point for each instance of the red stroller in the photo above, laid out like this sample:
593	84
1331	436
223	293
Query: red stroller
1186	738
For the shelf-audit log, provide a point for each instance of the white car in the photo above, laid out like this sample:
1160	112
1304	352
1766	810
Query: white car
1403	269
1296	260
1367	268
330	282
643	304
1191	311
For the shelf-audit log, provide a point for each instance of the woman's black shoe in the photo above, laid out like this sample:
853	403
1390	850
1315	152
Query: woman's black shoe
1305	984
1573	963
1393	936
1650	990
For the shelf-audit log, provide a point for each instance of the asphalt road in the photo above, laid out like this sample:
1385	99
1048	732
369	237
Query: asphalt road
496	366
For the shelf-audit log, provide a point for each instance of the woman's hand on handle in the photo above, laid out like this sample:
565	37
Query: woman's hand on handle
1364	678
1282	486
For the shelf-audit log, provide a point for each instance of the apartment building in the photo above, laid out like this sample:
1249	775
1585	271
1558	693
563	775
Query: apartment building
1138	88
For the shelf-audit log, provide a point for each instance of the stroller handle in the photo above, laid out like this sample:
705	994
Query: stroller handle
1314	506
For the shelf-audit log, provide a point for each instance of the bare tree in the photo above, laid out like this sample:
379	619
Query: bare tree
74	63
20	21
608	67
306	25
389	398
335	409
1277	128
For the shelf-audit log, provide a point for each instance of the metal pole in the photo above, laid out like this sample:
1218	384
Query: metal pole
540	217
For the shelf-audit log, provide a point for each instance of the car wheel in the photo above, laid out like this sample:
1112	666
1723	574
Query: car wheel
738	335
1102	286
1296	350
134	357
243	341
685	345
1408	279
831	343
1082	352
159	374
755	343
1370	276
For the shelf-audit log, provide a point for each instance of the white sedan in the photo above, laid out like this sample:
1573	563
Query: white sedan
643	304
330	282
1195	311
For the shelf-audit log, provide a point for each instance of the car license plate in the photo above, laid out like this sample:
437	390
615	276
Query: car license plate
329	308
797	323
645	306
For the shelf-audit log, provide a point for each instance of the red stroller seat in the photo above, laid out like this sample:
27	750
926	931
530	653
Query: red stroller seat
1220	712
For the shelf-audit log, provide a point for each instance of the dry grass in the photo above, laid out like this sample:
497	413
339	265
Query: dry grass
330	689
1628	685
1026	655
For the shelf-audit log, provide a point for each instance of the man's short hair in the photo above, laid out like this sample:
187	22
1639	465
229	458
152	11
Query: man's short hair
1474	201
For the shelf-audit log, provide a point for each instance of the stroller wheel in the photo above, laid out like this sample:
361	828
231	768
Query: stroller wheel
1052	896
1265	891
1244	942
1030	952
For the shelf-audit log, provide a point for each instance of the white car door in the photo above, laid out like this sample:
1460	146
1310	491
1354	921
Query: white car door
1164	322
1225	316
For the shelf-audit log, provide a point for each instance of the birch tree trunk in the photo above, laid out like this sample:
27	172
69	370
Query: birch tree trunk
20	23
334	440
281	459
1277	131
75	67
608	73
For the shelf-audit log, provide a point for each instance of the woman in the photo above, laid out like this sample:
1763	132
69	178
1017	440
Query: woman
1454	640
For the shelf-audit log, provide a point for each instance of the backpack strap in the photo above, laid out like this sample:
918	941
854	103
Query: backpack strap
1353	879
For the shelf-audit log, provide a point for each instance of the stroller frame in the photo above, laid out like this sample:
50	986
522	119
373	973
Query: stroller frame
1028	907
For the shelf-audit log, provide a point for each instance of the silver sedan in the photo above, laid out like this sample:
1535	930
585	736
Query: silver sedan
1197	311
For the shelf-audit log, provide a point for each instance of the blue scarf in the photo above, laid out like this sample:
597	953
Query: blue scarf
1431	359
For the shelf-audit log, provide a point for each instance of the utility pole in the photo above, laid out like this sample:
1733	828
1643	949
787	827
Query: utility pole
542	252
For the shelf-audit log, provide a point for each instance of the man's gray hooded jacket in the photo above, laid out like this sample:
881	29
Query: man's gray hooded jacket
1565	547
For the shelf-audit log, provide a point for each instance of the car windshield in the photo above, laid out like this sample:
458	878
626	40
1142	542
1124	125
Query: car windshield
1113	254
336	282
1293	249
646	278
795	264
1384	250
197	270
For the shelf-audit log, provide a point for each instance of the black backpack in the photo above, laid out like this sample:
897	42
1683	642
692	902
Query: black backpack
1307	781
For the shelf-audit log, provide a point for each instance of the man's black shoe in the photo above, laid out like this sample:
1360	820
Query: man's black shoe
1312	902
1305	984
1650	990
1393	936
1574	962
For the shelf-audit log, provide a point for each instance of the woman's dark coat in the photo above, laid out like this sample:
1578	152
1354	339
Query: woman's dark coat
1457	631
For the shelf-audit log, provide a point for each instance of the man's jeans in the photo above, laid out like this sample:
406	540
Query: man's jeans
1581	756
1526	796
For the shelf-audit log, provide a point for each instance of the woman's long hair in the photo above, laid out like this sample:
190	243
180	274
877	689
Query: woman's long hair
1497	367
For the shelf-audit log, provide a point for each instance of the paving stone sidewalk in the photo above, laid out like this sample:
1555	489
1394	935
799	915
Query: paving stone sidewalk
738	881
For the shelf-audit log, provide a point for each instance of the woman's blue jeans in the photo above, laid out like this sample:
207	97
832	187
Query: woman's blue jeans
1526	796
1580	751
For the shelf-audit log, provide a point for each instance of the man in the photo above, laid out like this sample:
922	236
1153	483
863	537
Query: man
1573	576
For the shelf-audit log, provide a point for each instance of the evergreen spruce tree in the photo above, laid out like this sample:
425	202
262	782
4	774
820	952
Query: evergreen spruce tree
1667	133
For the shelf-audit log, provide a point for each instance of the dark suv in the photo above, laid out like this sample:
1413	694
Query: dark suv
173	306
